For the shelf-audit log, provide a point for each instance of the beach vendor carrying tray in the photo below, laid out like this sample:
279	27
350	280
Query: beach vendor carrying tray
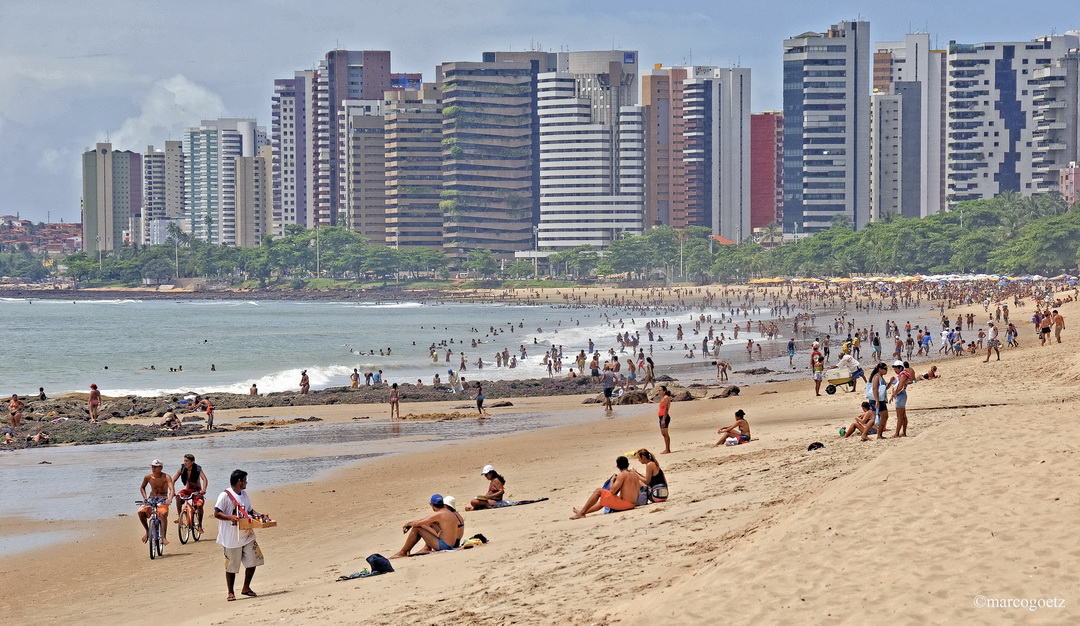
252	520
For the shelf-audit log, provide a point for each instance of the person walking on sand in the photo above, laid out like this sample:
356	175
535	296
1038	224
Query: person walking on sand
620	492
442	530
608	383
1059	325
240	546
395	408
305	383
664	416
94	403
993	344
480	399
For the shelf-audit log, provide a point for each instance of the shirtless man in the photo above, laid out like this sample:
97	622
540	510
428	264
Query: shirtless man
1059	324
193	478
161	491
442	530
722	368
741	425
621	495
305	383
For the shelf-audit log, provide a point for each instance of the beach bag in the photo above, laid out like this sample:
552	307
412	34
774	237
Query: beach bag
379	564
643	496
658	493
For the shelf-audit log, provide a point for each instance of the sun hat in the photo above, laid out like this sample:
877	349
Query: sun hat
450	501
487	468
436	499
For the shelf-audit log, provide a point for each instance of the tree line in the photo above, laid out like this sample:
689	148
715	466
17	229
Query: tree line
1009	234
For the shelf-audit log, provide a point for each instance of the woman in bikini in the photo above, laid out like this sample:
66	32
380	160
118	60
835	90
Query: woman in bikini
15	409
495	492
480	399
664	416
654	480
94	403
395	408
739	430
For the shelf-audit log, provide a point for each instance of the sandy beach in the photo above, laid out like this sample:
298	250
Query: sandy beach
976	506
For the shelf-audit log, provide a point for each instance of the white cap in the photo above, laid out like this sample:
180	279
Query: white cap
487	468
157	463
450	501
898	364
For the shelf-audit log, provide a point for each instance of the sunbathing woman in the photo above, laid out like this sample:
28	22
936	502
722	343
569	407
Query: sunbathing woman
739	430
932	374
654	480
496	490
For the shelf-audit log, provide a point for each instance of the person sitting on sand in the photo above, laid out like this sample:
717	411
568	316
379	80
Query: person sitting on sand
863	423
496	490
655	483
743	427
932	374
171	421
442	530
620	495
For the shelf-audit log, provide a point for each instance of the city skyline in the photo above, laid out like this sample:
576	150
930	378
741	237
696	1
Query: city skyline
80	73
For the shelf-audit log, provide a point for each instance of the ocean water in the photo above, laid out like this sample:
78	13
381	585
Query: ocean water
128	346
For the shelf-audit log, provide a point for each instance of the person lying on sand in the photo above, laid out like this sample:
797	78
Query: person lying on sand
442	530
743	427
496	490
932	374
620	495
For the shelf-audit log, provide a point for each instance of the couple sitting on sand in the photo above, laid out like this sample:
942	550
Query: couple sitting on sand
628	488
442	530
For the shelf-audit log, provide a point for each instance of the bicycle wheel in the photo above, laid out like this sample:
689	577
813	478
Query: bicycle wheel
196	531
152	538
182	526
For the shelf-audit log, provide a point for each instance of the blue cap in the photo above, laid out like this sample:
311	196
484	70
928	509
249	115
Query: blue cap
436	499
449	371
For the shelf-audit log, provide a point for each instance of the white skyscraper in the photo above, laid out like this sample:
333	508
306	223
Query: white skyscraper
292	138
210	151
827	127
163	191
995	143
907	129
591	150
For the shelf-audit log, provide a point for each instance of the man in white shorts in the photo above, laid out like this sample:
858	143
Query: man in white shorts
240	545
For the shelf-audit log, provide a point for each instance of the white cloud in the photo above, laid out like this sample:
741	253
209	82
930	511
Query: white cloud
171	105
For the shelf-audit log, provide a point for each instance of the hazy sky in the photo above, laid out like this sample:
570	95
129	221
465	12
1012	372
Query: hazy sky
75	72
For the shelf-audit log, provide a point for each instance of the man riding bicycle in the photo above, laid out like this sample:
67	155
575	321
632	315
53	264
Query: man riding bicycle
161	491
194	481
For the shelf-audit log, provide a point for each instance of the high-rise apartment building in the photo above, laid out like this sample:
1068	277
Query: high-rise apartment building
827	127
292	113
591	152
698	148
111	196
1056	91
342	75
414	153
1069	183
364	166
254	198
907	128
163	191
210	152
490	145
994	137
766	168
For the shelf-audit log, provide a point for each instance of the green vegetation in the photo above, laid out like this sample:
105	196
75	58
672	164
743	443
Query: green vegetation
1009	234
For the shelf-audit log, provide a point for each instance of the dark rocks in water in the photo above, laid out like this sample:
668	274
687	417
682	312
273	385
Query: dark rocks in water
664	378
696	386
592	401
756	370
684	396
725	392
633	397
462	406
501	403
774	380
